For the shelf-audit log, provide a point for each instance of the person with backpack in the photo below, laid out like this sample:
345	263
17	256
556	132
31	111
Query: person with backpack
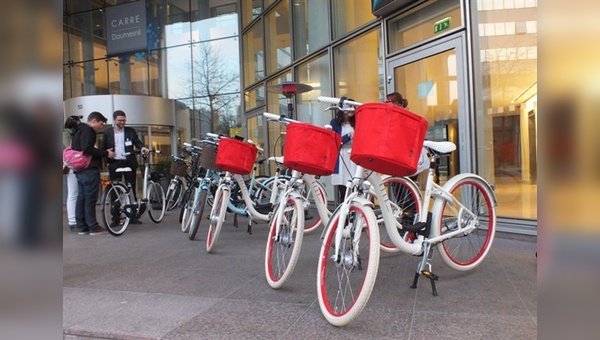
88	179
68	132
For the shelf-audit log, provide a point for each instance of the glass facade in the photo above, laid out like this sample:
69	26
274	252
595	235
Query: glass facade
506	55
359	68
207	54
277	27
310	26
193	56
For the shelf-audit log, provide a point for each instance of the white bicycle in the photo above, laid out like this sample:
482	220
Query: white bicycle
238	161
461	227
287	226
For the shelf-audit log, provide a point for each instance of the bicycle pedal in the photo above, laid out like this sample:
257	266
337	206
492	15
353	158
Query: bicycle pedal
415	227
429	275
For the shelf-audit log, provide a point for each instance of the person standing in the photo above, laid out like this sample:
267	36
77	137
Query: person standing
68	132
122	140
343	124
88	179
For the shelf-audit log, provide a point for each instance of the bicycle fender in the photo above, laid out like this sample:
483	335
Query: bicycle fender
297	196
363	201
452	181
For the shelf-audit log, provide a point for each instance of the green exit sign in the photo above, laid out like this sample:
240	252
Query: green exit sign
441	25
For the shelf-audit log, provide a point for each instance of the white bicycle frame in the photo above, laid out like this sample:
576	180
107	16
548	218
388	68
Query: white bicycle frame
131	193
253	213
374	184
225	185
292	189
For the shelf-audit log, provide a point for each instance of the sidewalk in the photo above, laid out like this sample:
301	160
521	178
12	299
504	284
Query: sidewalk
154	283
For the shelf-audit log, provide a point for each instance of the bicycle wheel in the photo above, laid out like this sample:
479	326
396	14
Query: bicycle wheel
465	251
184	200
186	217
345	281
112	208
197	213
311	216
217	216
174	193
406	201
156	202
283	249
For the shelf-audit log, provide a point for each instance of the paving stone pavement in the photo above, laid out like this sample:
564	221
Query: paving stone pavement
154	283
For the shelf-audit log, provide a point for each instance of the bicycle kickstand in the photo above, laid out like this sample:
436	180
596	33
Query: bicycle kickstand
424	268
249	226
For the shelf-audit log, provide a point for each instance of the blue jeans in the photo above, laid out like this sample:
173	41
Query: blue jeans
88	184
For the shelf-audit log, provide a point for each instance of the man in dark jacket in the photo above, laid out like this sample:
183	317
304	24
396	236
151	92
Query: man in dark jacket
122	140
88	180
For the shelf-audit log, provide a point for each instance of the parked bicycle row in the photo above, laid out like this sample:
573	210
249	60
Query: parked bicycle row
383	209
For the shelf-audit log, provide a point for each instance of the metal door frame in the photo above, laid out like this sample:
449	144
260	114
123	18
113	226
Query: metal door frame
457	43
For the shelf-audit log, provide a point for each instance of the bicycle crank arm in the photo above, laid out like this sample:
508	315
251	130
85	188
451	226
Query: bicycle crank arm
132	210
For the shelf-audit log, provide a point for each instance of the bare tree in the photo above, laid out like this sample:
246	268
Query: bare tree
213	80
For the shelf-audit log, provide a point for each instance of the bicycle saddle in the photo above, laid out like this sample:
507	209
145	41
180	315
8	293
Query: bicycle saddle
126	169
276	159
441	148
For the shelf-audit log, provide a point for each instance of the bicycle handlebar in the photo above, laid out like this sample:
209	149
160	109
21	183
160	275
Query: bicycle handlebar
190	146
215	136
137	152
336	101
278	118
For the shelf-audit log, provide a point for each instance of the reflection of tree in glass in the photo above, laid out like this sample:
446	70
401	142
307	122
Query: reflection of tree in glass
215	86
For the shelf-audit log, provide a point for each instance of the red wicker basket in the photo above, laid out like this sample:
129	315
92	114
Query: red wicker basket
388	139
235	156
311	149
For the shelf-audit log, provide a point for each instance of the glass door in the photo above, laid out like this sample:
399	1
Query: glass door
432	79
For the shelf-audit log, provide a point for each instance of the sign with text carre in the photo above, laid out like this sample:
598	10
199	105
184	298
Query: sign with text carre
126	28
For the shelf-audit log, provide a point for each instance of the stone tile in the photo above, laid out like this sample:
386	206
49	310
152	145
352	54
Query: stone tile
241	319
137	315
437	325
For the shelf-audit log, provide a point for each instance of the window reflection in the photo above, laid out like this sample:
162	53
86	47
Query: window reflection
507	36
254	63
174	19
214	70
256	132
278	38
358	54
315	73
278	102
310	26
209	23
423	22
349	15
250	10
219	114
179	74
255	97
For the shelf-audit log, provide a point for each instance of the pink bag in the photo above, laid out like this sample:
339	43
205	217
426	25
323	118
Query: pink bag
76	160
